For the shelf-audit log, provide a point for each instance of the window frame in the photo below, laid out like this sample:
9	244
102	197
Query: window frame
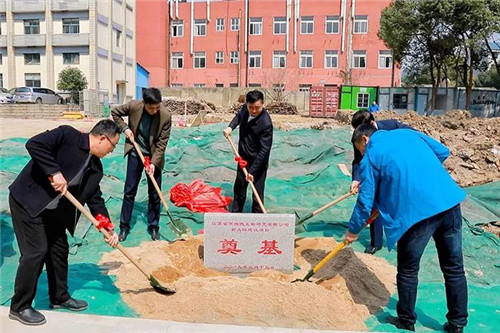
200	56
307	21
256	56
257	23
177	24
279	24
198	26
174	59
306	54
333	55
279	55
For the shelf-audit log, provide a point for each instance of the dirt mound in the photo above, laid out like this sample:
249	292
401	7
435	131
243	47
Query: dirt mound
177	105
474	143
281	108
342	295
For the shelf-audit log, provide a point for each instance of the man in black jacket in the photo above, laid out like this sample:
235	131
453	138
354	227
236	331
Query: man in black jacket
62	159
366	117
256	139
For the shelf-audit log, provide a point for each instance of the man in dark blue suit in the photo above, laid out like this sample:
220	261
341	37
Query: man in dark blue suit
366	117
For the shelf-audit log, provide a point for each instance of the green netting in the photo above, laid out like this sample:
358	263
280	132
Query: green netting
303	176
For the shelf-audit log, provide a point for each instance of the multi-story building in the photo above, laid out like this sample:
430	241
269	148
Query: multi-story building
242	43
39	38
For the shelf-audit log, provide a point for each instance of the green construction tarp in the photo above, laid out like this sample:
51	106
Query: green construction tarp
303	176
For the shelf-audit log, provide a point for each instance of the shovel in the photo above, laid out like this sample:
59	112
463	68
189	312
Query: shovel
299	227
152	280
245	172
176	225
332	254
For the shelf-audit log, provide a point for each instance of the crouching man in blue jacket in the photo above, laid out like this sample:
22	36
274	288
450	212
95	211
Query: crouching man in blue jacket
402	176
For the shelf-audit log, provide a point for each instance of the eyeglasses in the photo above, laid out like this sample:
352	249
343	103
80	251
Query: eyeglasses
113	144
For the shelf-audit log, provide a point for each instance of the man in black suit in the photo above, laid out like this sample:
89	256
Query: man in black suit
366	117
62	159
256	139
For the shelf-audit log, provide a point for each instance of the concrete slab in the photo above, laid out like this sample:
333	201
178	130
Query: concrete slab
61	321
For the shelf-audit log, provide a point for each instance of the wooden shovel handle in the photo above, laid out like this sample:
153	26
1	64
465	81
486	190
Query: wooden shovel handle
245	172
85	212
334	202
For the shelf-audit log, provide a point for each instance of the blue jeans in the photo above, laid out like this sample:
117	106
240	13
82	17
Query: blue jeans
134	175
446	229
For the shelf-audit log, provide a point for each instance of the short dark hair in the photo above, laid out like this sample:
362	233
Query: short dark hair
254	96
362	116
151	96
363	129
105	127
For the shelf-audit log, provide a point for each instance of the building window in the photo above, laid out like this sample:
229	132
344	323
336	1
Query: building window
384	59
177	60
32	80
363	100
219	85
71	58
280	25
199	60
71	26
359	59
219	24
219	57
332	25
306	59
279	59
200	27
32	58
254	85
31	27
233	85
177	28
360	24
235	57
1	80
306	25
1	60
256	26
176	85
118	37
331	59
255	59
400	101
305	87
235	23
199	85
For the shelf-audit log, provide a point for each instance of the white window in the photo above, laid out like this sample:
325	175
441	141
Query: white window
363	100
361	24
118	37
219	24
200	27
305	87
235	23
177	28
235	57
177	60
199	85
71	25
306	25
32	80
32	58
280	25
32	27
199	60
255	59
72	58
384	59
306	59
279	59
256	26
219	85
359	59
219	57
331	59
332	25
176	85
1	80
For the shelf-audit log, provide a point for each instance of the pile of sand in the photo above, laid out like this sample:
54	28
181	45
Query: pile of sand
177	105
342	295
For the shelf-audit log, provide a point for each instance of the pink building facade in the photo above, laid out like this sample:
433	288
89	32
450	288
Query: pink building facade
244	43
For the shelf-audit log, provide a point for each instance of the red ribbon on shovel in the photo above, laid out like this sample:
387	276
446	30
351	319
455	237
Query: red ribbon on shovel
241	162
104	222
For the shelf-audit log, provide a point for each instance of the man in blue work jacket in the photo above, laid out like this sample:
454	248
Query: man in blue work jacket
365	117
417	199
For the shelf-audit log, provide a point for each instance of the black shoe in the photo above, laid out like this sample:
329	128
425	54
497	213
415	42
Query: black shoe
401	325
123	235
71	304
452	328
28	316
155	234
372	249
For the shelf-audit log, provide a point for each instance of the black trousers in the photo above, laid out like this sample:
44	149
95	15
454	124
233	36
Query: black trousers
240	190
42	240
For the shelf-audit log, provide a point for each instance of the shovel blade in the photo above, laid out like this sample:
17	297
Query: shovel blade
180	228
160	288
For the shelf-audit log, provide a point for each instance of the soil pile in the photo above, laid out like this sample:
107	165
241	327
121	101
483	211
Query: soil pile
342	295
177	105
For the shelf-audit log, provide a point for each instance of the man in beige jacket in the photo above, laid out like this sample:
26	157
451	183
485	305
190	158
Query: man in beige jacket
149	125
